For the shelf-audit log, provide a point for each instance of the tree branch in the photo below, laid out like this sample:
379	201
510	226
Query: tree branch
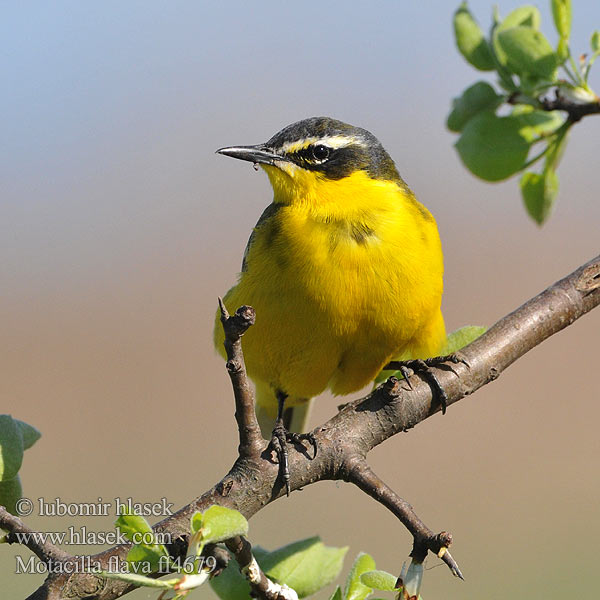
575	110
251	440
425	540
363	424
262	586
19	533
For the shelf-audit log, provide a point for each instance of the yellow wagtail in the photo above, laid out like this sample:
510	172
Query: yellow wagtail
344	269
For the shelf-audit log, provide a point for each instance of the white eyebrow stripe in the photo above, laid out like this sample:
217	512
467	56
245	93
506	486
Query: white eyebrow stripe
332	141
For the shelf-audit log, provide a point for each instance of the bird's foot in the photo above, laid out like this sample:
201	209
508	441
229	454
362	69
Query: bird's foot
409	367
280	439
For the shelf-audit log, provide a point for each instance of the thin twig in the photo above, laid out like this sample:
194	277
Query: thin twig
19	533
361	475
251	440
575	110
261	585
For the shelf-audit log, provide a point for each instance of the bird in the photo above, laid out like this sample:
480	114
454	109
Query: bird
344	269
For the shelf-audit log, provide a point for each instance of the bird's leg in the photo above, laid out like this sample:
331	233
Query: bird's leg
422	366
278	442
280	438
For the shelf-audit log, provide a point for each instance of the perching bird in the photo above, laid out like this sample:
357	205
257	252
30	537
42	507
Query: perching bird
344	269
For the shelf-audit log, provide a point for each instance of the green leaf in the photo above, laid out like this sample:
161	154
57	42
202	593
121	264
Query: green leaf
412	578
306	566
557	150
540	123
11	448
30	434
379	580
196	522
10	492
461	337
147	556
480	96
532	191
562	51
527	51
561	12
577	94
129	525
219	523
470	40
337	594
539	192
355	589
524	16
595	41
139	580
492	147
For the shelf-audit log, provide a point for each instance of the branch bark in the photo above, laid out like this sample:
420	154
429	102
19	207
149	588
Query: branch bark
251	440
424	539
575	110
345	439
19	533
262	586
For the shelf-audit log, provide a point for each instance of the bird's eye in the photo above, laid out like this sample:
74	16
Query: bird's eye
320	152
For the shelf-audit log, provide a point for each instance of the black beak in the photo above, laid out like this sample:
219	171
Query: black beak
255	154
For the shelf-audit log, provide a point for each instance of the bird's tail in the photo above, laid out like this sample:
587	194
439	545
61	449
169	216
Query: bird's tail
295	416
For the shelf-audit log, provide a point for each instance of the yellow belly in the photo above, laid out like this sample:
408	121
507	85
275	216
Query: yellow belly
334	303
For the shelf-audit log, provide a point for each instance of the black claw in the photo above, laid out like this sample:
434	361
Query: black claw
453	358
278	444
422	366
456	359
406	373
313	442
438	390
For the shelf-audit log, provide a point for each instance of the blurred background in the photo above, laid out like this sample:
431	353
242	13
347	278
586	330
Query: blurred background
119	227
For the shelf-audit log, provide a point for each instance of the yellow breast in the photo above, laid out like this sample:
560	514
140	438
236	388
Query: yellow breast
343	275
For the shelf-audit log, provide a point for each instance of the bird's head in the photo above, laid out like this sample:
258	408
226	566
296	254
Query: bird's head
305	158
